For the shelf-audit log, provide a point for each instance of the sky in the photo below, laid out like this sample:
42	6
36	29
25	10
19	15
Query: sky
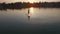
9	1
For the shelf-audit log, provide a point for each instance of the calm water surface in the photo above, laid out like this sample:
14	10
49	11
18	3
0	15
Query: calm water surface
42	20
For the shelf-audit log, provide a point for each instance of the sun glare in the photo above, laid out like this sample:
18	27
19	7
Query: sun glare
31	10
31	1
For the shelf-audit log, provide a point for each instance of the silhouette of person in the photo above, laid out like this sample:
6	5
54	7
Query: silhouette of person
28	11
28	14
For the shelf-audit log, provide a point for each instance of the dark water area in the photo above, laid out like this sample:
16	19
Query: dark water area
42	21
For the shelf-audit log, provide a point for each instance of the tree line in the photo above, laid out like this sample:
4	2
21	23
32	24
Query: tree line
19	5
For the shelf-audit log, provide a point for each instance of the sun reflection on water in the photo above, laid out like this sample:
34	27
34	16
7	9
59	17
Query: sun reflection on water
31	10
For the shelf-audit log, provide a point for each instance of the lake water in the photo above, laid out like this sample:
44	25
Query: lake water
38	21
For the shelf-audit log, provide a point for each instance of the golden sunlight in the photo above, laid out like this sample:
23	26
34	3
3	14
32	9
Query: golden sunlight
31	10
31	1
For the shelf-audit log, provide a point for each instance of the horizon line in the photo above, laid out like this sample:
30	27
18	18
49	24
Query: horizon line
26	2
